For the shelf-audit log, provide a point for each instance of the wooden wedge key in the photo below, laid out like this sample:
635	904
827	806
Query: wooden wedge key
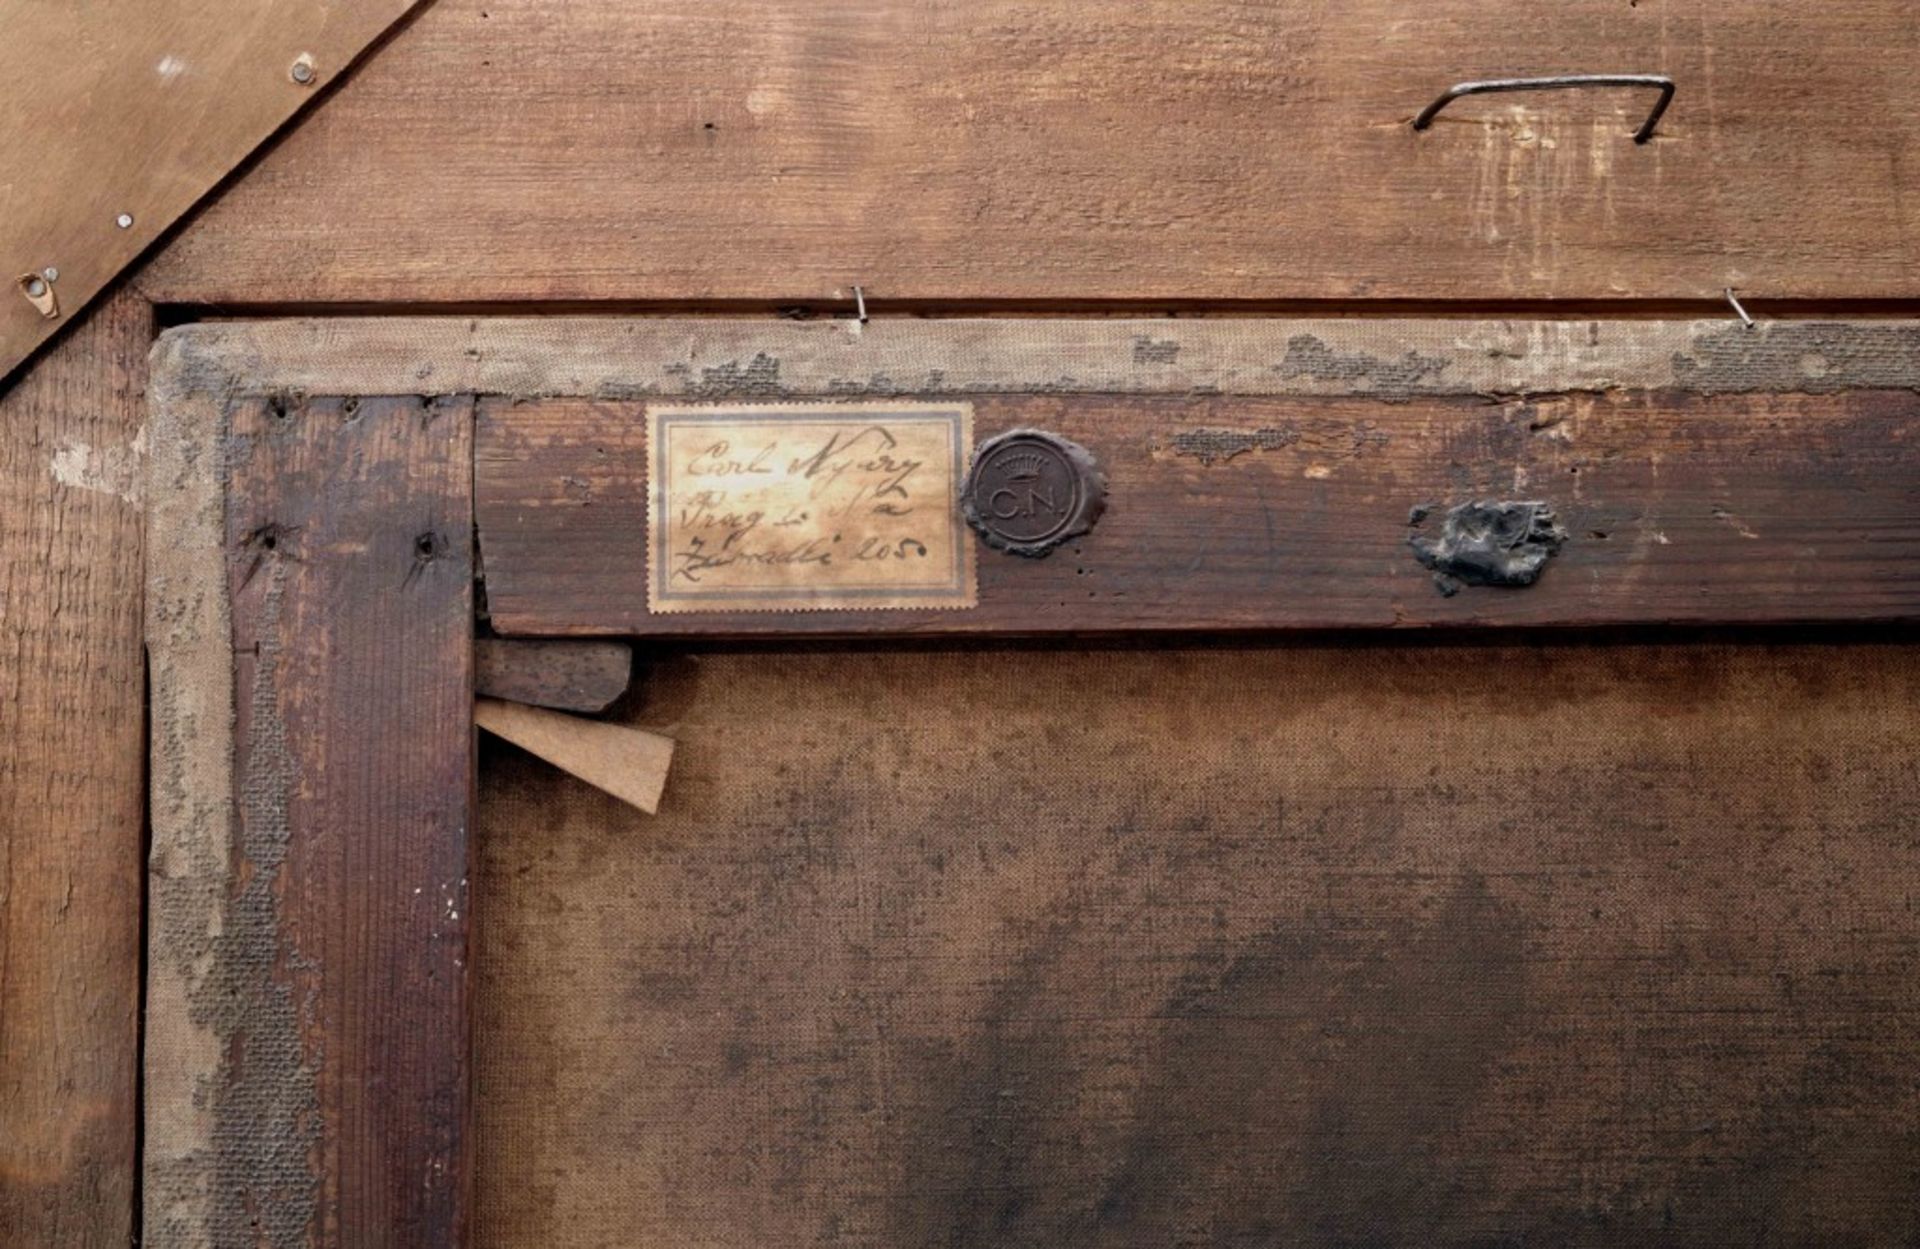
631	764
568	675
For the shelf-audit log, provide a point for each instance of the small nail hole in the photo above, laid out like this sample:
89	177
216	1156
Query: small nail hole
264	539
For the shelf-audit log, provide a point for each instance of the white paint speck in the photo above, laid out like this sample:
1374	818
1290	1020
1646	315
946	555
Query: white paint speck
108	470
169	67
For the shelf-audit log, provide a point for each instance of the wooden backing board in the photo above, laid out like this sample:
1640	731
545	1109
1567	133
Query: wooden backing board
1048	150
112	112
308	1052
72	788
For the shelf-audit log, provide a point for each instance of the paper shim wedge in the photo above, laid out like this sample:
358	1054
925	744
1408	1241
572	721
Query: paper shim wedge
631	764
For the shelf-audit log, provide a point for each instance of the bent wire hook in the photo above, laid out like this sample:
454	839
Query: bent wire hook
1645	132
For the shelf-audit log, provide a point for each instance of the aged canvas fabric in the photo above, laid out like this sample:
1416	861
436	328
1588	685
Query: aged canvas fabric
1242	946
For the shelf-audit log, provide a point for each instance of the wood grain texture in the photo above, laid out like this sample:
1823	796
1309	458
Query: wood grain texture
1259	512
342	1106
71	784
140	110
570	676
1382	945
1055	151
629	763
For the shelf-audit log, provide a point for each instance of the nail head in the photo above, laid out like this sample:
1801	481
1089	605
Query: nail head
302	71
50	273
36	287
124	221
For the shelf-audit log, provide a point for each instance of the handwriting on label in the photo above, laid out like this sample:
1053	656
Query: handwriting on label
784	507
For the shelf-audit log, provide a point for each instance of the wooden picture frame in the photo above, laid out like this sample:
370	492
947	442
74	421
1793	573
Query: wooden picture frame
317	488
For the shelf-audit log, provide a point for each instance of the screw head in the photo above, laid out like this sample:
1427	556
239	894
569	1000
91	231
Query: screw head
302	70
124	221
36	287
50	273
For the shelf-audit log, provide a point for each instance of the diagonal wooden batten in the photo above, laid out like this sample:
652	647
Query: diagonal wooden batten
116	119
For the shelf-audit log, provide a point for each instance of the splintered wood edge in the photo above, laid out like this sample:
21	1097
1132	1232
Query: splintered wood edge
629	763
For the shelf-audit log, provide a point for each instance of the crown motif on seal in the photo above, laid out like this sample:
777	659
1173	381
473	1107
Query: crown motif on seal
1024	465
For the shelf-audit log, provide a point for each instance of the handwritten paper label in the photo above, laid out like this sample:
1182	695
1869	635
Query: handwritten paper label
797	507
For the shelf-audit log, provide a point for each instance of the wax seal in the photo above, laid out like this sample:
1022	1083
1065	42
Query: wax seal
1029	491
1495	542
